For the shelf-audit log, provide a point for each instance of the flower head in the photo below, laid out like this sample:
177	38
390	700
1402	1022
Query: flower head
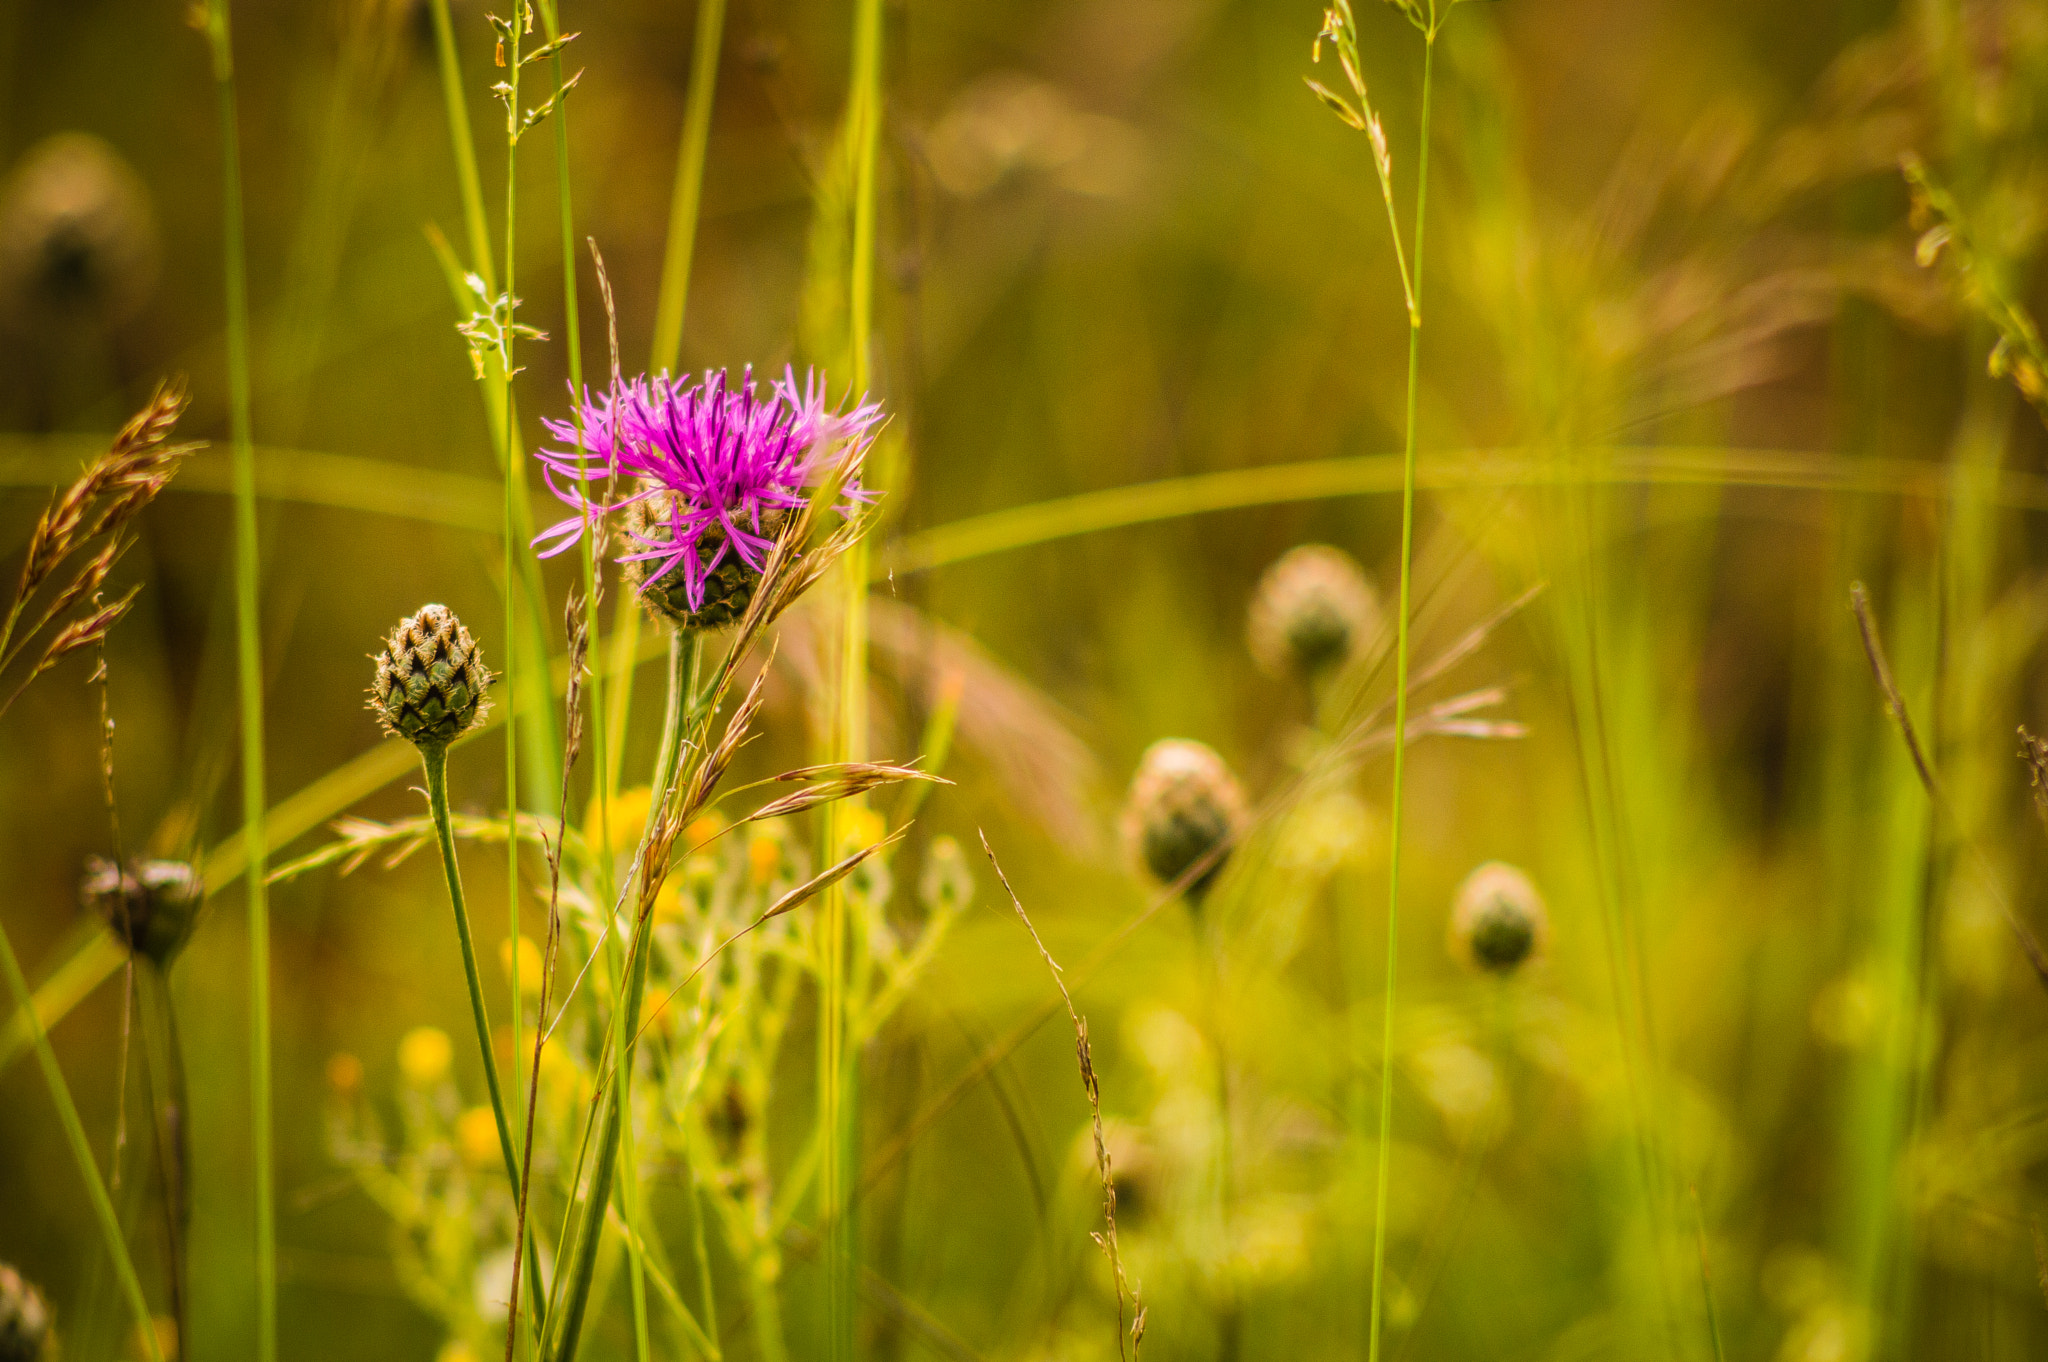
1498	920
152	905
710	471
1313	611
1185	807
431	679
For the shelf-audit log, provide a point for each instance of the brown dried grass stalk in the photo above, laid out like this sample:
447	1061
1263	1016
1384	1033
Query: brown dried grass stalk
1106	1237
99	507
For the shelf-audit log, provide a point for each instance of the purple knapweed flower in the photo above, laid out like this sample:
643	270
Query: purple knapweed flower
710	471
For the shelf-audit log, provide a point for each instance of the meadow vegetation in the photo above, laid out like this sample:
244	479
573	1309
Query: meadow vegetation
1044	680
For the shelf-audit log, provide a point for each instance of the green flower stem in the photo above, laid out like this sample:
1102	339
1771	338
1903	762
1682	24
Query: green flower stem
435	759
81	1151
249	679
1386	1133
762	1284
686	656
565	1324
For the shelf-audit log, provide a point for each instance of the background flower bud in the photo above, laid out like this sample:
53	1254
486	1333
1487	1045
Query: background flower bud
1312	611
431	679
1498	921
152	906
24	1320
78	239
1183	804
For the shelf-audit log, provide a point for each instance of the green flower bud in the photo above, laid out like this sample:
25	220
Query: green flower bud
152	906
25	1334
1498	922
1314	609
1184	804
728	590
431	679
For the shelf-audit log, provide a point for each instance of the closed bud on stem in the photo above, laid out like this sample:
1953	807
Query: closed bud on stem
1498	922
726	580
24	1321
430	681
1313	611
152	905
1183	806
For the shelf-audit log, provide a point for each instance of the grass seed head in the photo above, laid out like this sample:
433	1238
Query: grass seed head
24	1320
431	679
152	906
1313	610
1183	806
1498	921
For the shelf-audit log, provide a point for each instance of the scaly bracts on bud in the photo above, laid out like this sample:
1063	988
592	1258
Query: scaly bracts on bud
1314	610
431	679
152	906
711	474
1185	809
1498	922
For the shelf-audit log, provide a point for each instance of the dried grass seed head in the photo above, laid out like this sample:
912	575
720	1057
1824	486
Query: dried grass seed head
1184	805
1313	610
78	237
152	905
25	1334
431	679
1498	921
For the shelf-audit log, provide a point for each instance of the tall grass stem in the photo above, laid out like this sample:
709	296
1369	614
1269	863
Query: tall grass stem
836	1077
1400	742
249	679
81	1151
686	200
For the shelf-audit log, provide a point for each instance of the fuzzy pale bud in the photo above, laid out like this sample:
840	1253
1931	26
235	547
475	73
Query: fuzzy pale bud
1313	611
78	239
152	906
24	1320
1498	922
430	681
1183	807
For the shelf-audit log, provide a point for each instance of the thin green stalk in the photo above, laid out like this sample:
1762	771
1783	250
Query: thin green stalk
466	178
684	204
1386	1136
81	1151
703	1253
594	685
565	1324
437	762
863	114
528	646
767	1310
249	676
435	759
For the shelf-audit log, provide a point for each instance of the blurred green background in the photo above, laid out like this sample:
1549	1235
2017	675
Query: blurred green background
1679	365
